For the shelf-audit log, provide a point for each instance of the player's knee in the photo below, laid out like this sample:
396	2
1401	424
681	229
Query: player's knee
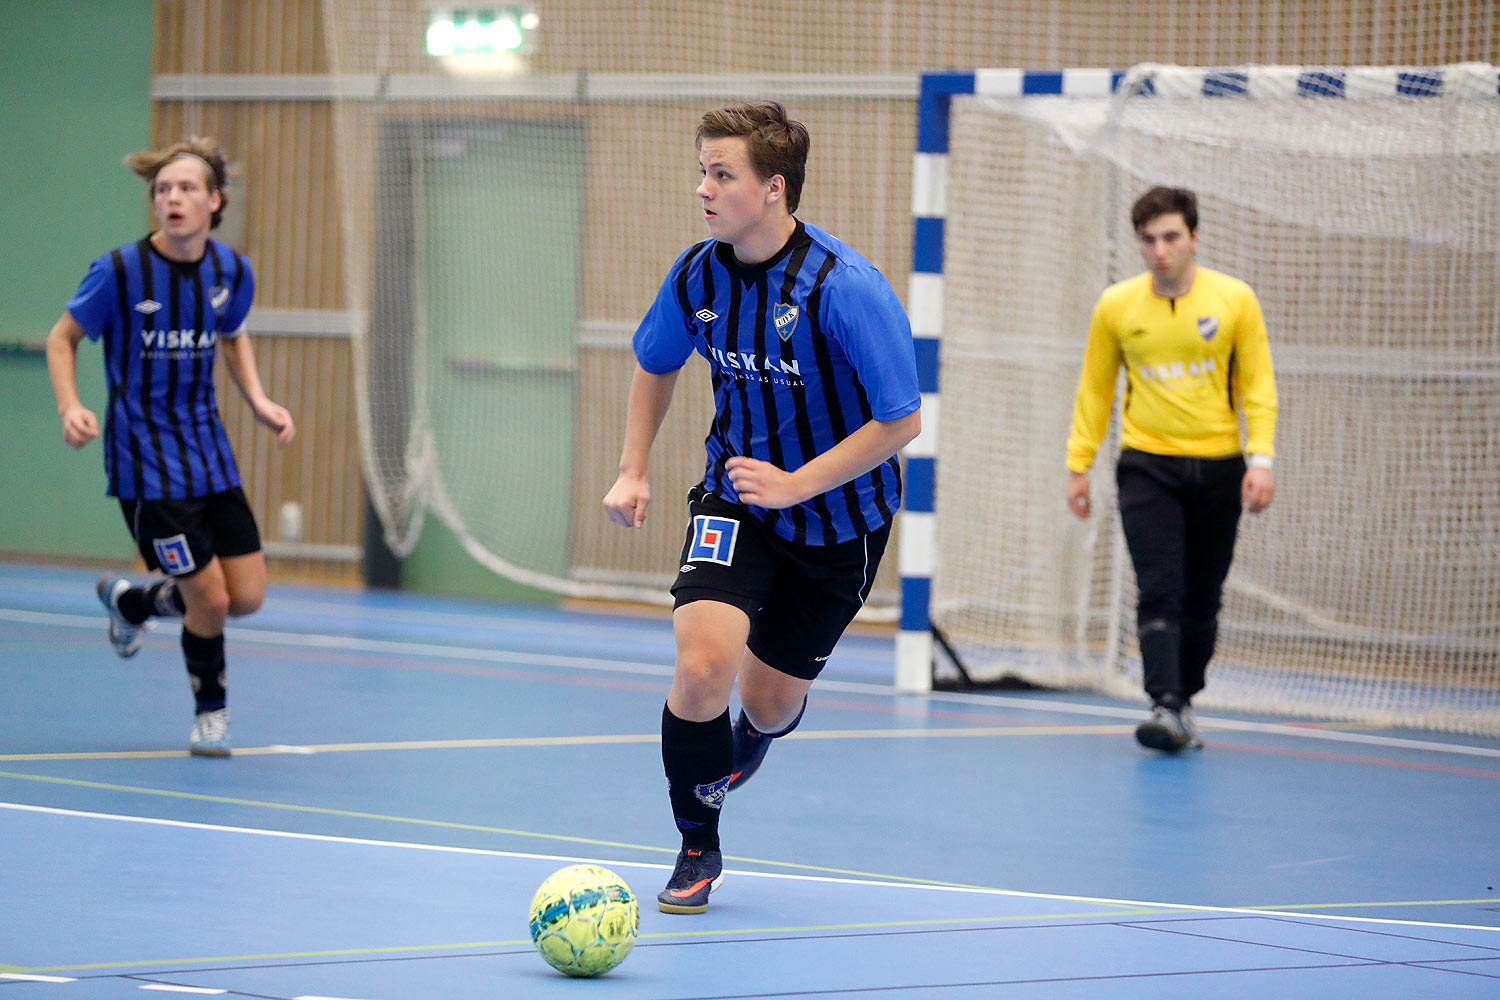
208	603
773	718
241	605
769	709
245	598
699	671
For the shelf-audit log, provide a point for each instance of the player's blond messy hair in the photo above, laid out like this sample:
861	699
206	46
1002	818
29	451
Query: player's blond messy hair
147	163
776	144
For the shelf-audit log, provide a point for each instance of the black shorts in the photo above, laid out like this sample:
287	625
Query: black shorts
800	598
180	537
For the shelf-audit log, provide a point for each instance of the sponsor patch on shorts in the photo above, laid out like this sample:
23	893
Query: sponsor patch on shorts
713	539
174	554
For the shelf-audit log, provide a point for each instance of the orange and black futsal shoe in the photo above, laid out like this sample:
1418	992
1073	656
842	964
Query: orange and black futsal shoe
697	874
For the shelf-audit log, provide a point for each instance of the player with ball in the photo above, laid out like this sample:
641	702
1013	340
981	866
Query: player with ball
815	390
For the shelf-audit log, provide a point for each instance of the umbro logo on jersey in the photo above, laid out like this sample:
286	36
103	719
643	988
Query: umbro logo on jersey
219	298
706	315
1208	326
147	307
686	568
784	315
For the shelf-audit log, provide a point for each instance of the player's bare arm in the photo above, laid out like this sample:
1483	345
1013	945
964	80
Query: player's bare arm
80	426
239	355
764	485
650	396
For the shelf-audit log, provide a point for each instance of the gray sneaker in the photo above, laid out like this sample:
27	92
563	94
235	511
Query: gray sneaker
210	734
1163	731
1195	738
124	635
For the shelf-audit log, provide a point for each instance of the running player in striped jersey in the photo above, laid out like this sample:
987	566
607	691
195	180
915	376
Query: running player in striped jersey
1196	357
815	389
163	307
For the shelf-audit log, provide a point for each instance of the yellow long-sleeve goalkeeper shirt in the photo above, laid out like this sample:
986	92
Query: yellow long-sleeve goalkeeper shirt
1191	364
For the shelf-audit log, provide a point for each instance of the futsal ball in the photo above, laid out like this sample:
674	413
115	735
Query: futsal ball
584	919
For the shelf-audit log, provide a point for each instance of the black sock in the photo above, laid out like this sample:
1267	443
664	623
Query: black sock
161	599
205	666
698	757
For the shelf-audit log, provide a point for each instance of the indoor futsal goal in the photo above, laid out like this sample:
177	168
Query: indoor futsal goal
1363	205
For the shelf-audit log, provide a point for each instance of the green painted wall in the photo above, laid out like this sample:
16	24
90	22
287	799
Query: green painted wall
439	565
500	349
76	77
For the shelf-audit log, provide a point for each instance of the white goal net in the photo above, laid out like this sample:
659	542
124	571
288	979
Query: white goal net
516	181
1363	205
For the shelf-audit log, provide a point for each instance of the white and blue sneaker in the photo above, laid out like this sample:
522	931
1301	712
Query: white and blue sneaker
124	635
210	734
1164	731
1195	736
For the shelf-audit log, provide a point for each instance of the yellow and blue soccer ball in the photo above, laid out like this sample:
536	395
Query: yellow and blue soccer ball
584	919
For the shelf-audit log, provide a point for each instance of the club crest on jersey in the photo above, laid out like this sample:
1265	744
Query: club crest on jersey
147	307
713	539
218	297
1208	326
174	555
784	315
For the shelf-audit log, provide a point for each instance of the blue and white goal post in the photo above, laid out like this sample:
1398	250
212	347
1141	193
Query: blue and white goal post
1458	159
917	555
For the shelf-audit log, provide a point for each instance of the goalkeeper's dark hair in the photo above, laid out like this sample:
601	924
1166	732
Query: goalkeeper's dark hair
148	163
1165	201
777	145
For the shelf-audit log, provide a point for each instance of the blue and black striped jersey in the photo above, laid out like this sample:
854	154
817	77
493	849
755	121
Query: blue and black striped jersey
804	348
160	321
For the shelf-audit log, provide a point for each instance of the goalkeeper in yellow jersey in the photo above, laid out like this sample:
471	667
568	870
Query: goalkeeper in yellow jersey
1196	357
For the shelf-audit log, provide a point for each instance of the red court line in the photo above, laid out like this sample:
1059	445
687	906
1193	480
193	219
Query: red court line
1349	758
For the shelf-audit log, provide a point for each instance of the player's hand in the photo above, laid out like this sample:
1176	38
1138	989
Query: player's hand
279	419
626	501
80	426
1078	493
1257	489
763	484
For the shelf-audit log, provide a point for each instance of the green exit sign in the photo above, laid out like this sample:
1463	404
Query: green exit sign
455	31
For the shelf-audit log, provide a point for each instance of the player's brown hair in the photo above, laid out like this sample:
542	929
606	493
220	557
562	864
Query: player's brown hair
147	163
1165	201
777	145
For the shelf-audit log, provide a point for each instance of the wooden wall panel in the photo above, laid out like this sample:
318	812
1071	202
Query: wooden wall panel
285	212
320	469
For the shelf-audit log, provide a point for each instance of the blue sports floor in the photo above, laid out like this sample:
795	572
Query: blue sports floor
408	769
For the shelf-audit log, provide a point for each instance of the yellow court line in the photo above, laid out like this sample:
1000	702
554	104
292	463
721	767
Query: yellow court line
473	827
311	748
665	935
702	934
557	741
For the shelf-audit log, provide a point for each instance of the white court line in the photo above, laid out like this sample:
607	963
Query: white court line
830	879
472	654
37	979
165	988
